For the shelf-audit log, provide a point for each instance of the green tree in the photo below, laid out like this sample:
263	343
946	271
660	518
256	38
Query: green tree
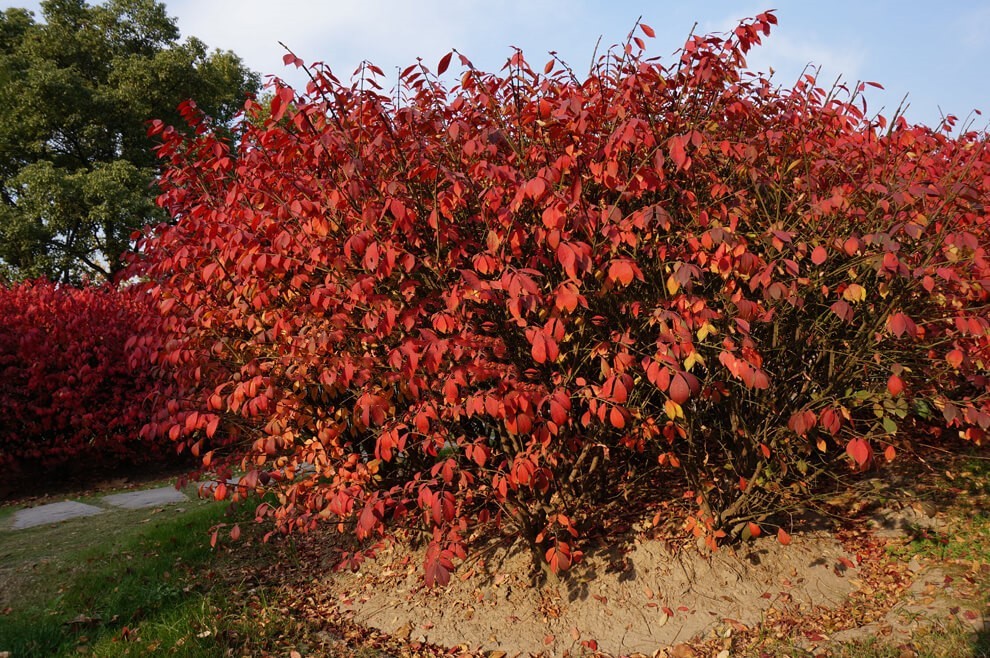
77	89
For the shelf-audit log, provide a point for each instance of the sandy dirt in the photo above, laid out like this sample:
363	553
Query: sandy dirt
639	600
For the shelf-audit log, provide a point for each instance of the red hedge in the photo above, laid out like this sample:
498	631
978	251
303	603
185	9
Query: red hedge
517	302
67	392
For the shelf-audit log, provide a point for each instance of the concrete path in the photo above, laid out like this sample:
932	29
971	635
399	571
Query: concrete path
53	513
146	498
71	509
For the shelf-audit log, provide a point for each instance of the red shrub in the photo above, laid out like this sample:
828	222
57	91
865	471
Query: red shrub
67	392
517	301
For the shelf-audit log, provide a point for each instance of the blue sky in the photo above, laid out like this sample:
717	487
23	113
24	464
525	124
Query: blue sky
940	57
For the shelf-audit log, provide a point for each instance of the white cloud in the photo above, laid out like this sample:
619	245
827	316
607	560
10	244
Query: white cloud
389	34
789	54
790	49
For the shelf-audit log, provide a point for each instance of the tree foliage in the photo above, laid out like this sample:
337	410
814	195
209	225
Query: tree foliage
512	304
78	88
67	393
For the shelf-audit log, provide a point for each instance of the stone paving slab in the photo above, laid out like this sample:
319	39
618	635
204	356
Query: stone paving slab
53	513
146	498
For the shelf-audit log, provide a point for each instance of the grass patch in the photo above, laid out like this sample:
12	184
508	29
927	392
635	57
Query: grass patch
130	583
963	498
951	641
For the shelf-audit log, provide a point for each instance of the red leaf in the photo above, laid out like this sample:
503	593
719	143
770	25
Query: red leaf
955	358
843	310
567	298
900	324
859	450
560	406
760	380
890	261
677	153
783	537
367	521
444	63
895	385
819	255
679	391
647	30
830	421
567	258
559	558
554	329
535	188
754	530
801	422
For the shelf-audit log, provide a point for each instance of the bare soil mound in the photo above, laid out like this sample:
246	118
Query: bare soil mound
637	600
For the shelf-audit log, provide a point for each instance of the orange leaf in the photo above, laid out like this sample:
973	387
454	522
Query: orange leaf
623	271
539	348
783	537
617	418
559	558
854	293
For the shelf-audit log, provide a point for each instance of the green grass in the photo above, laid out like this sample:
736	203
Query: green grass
950	642
959	546
123	583
962	543
963	496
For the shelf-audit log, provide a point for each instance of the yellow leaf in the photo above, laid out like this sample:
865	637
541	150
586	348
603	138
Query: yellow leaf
854	293
692	359
672	285
706	330
673	410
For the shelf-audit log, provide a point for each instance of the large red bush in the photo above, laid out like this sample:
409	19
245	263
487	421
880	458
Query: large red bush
510	304
67	391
